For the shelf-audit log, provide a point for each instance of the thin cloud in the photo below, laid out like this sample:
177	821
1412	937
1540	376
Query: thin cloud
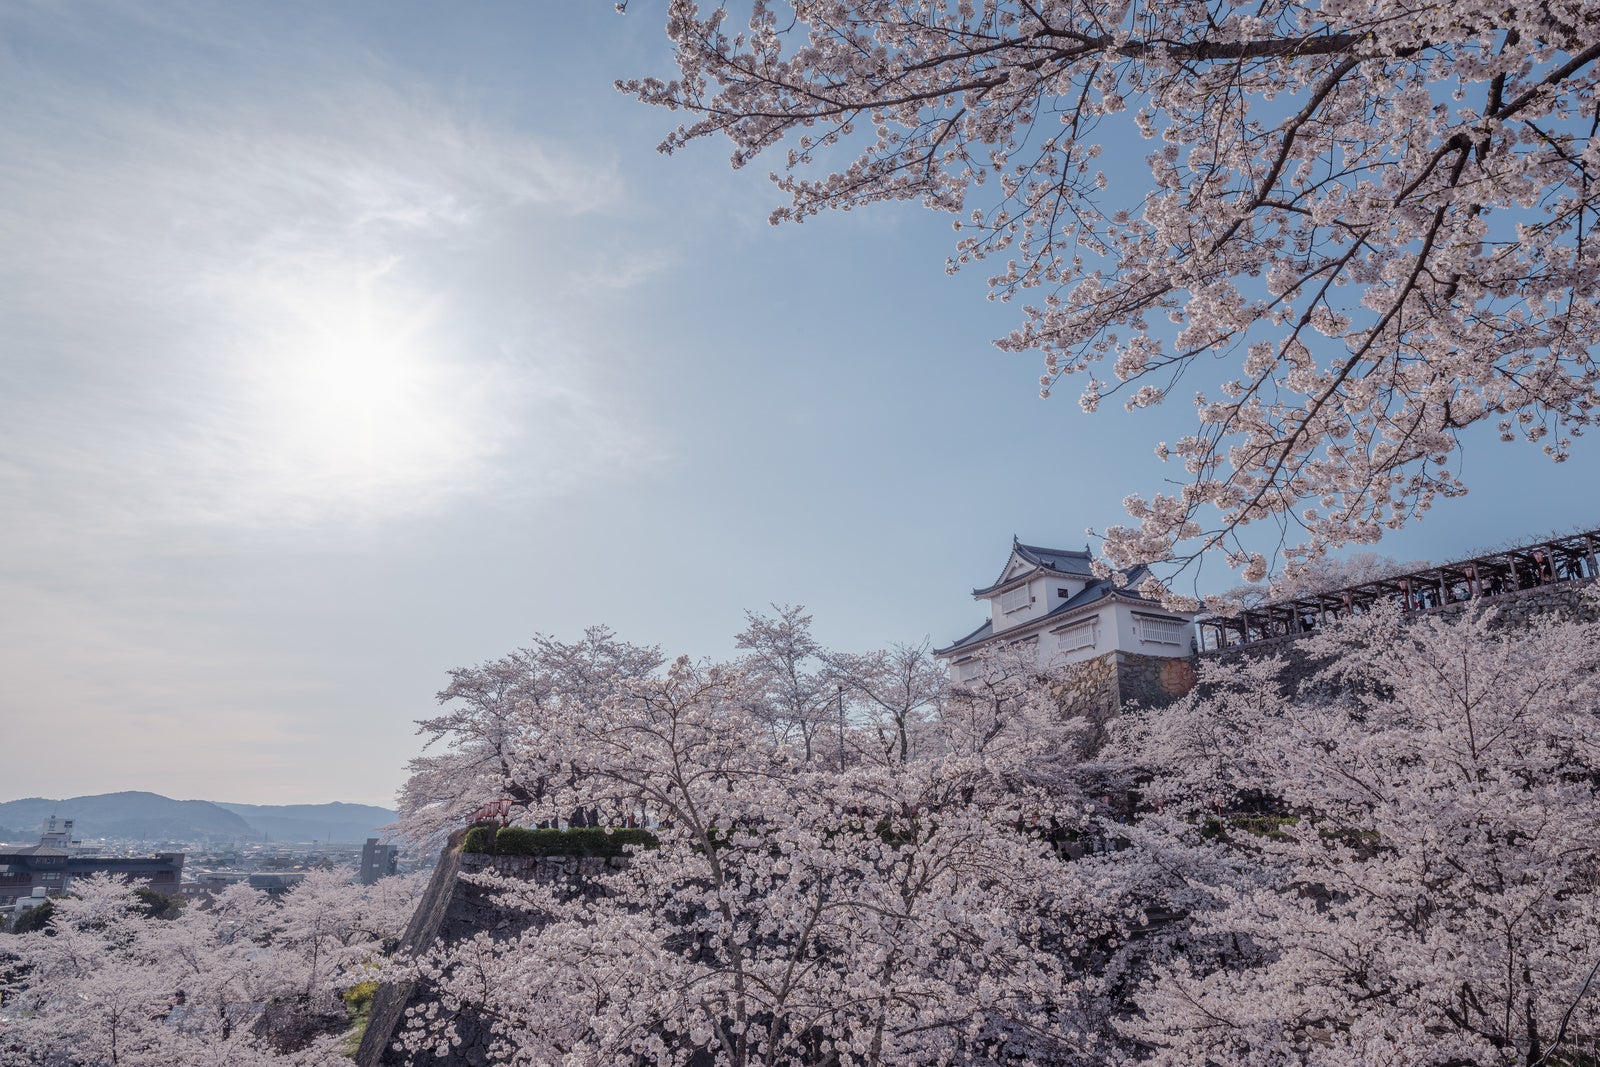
278	318
234	314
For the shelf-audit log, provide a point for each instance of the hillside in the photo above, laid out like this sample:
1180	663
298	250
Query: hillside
314	822
152	817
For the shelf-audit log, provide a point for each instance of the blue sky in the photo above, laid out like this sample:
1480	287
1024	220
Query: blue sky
347	344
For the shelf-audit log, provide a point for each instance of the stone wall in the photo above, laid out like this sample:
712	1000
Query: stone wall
473	908
1152	681
454	908
1089	689
1099	689
390	1002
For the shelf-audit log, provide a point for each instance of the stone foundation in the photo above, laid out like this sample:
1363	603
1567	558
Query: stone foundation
1100	689
1152	681
454	909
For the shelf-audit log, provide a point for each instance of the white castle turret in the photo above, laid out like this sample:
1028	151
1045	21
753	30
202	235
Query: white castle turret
1049	602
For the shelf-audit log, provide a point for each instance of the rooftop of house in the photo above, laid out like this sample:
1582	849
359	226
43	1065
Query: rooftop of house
32	851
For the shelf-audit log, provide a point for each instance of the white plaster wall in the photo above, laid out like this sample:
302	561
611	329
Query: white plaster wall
1047	647
1043	590
1004	621
1051	654
1119	628
1121	620
1130	626
1073	586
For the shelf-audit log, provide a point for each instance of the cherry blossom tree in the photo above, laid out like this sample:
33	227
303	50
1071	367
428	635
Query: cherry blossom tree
242	981
900	686
1006	691
785	667
1391	862
103	1014
1319	576
792	912
1381	215
329	925
1419	881
485	726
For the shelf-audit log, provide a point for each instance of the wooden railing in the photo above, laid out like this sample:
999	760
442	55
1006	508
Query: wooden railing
1554	560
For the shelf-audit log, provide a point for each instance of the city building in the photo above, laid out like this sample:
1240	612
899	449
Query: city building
57	833
48	868
275	883
377	861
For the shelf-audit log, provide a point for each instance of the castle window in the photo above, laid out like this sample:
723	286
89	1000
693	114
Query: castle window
1015	599
1083	635
1160	631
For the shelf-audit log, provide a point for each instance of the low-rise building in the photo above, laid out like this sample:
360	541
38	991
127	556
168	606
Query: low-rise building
275	883
52	865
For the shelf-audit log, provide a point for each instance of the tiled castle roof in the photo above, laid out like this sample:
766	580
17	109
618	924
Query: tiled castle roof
1055	560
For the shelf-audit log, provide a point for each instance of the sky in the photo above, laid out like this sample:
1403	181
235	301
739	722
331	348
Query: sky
349	344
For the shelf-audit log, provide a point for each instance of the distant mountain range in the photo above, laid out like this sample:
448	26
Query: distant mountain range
152	817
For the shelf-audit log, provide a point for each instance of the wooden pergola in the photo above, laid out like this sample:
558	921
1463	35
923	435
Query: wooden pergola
1570	558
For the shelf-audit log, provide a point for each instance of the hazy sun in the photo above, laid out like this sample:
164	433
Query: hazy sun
352	399
357	388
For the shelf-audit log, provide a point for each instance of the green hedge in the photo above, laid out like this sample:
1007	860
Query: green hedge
1268	826
479	839
581	841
